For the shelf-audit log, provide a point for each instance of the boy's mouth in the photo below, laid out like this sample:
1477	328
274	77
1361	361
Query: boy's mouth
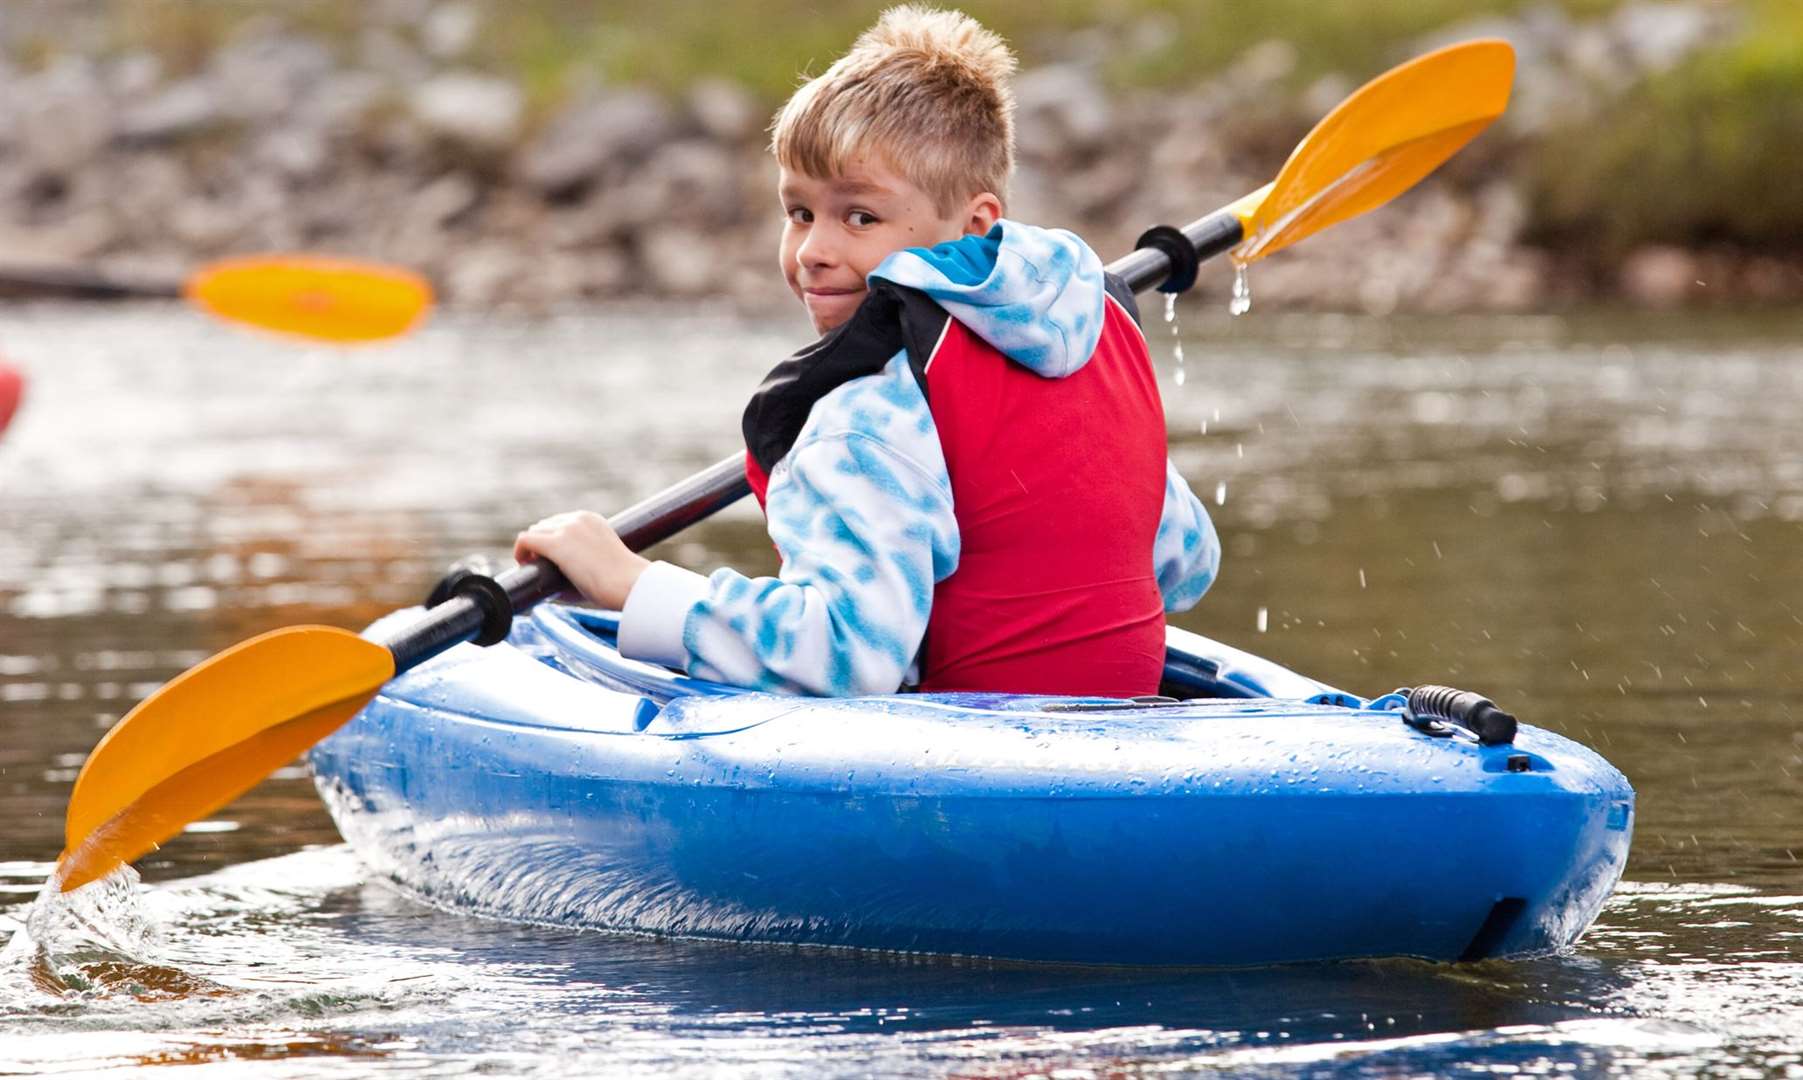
824	301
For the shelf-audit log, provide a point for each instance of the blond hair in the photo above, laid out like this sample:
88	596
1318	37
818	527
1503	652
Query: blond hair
924	89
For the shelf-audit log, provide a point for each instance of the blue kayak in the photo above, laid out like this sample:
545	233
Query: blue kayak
1265	818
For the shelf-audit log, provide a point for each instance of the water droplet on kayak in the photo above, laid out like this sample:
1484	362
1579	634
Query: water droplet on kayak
1242	291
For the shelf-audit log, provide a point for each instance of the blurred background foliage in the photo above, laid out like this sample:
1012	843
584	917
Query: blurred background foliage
1709	153
1703	155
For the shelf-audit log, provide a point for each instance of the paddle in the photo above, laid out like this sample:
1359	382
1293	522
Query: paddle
220	727
311	296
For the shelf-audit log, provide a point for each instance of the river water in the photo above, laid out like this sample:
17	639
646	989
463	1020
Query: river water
1596	521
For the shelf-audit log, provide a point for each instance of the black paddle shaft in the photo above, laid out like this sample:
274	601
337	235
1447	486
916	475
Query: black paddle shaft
80	283
482	604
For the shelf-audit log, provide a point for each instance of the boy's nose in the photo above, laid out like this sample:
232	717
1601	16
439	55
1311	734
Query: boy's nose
818	249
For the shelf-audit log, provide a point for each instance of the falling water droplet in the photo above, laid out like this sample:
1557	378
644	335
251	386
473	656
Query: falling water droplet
1221	493
1242	291
1178	375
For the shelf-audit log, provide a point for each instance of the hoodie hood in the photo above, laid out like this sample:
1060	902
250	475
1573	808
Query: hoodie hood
1036	295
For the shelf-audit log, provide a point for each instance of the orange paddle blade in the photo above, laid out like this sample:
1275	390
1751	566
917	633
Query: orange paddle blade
1379	142
210	735
313	296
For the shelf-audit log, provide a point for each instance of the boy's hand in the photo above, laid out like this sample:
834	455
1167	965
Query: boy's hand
588	551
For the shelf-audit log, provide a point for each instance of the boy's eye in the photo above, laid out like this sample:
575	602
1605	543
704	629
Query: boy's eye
861	218
801	215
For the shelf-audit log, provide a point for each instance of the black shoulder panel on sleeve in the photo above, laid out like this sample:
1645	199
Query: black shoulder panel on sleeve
891	318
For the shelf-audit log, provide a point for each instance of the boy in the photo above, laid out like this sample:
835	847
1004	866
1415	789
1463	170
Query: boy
966	475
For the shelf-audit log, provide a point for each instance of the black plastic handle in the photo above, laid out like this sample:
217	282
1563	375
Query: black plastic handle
1468	709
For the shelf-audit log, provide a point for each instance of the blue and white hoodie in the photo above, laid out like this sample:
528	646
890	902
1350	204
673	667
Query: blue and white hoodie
860	509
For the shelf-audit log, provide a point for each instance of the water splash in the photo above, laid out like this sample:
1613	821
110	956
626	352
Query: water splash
1170	317
1242	291
107	913
96	941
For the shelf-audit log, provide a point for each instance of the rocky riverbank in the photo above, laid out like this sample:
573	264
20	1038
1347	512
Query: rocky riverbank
398	148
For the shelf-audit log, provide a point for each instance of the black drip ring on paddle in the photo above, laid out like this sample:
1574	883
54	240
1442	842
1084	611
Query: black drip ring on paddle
488	596
1176	247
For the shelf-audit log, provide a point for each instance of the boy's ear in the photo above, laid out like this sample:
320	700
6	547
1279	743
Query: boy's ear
981	213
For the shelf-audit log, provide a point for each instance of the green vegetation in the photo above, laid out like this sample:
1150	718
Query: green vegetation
767	44
1711	153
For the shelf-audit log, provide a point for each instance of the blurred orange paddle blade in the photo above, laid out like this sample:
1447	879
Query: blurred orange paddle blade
210	735
313	296
1377	143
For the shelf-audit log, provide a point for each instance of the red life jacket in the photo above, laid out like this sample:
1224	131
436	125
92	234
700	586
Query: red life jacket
1058	487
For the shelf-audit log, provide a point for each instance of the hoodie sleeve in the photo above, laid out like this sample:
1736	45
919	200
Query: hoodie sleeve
1187	553
861	512
1037	295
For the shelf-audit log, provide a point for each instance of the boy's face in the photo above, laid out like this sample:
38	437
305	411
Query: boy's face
840	228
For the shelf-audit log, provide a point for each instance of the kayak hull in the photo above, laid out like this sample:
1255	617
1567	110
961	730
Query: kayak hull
546	780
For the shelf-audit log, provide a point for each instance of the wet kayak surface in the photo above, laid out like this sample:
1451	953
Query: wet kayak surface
1596	522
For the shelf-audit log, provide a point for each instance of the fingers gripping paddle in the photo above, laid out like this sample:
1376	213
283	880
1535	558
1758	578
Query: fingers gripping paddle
311	296
219	728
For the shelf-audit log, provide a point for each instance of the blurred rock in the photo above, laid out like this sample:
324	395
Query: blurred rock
205	226
342	101
1060	109
133	76
1657	37
298	154
443	200
187	108
480	273
725	111
61	117
76	238
478	112
1659	277
449	31
381	50
264	74
694	181
1261	67
679	261
603	135
1325	93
